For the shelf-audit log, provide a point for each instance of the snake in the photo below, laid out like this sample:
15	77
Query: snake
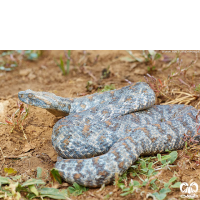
103	134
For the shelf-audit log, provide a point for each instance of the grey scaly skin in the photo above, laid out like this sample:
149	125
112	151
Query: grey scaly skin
104	133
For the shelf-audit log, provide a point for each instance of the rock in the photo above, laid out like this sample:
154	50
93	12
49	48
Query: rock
140	71
31	76
3	106
25	72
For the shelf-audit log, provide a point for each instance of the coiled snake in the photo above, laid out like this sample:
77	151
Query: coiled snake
105	133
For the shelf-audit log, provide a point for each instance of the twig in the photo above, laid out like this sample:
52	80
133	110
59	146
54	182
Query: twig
89	73
11	157
188	94
128	81
3	158
184	100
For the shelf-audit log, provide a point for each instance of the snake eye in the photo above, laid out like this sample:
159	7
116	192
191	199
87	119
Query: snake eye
30	95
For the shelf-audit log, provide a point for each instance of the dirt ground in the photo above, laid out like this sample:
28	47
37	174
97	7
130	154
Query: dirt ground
44	75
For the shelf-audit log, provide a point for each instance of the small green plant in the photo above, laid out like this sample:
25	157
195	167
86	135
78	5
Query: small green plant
133	57
108	88
30	54
197	88
55	175
150	57
18	117
90	86
7	66
133	185
163	192
64	67
106	73
14	188
68	60
7	61
147	170
149	69
77	190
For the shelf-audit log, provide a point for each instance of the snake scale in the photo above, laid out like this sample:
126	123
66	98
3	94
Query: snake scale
104	133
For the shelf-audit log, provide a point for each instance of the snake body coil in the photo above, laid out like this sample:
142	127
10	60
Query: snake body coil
105	133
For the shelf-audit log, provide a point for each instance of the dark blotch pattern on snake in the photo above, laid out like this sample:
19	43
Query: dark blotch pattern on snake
105	133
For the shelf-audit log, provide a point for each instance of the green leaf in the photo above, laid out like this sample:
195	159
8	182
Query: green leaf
126	189
33	56
137	59
145	170
127	59
33	189
144	182
30	195
176	185
16	178
166	185
20	188
53	193
68	61
173	156
150	172
9	194
157	56
121	185
134	174
165	190
77	189
56	175
5	180
165	157
61	65
39	172
143	164
71	189
108	88
33	181
159	196
172	179
124	194
150	165
152	52
163	162
136	183
159	157
153	184
76	186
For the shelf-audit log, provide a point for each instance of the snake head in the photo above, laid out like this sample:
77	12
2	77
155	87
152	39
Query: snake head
56	105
